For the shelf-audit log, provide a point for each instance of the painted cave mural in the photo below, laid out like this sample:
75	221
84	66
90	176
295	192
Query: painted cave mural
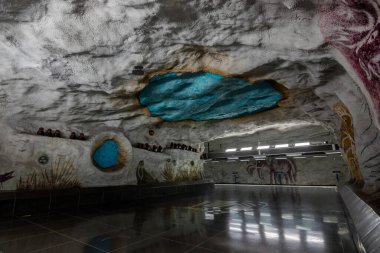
206	96
5	177
347	139
186	171
143	176
111	152
107	155
281	171
353	27
62	174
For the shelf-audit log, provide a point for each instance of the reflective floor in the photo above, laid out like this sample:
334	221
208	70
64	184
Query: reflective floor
231	219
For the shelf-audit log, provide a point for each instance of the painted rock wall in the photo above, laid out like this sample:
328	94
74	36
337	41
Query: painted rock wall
56	163
308	171
353	27
80	65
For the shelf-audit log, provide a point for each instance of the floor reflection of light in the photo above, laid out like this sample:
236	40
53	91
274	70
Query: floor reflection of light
299	227
235	229
252	225
270	235
265	223
330	219
292	234
292	237
287	216
235	223
315	238
343	231
265	214
209	216
270	229
252	231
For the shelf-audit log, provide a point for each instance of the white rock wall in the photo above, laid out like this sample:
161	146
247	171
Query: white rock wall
29	148
310	171
67	65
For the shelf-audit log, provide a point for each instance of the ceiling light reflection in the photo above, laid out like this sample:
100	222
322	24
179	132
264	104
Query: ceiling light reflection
235	229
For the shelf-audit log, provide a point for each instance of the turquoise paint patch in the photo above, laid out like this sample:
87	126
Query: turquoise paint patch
107	155
206	96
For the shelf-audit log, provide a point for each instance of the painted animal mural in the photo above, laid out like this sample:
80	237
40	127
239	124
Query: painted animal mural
279	170
353	27
5	177
143	176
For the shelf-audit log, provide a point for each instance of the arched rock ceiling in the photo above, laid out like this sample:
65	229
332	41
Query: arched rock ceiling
68	64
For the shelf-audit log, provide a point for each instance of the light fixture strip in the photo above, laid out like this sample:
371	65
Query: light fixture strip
263	147
231	150
281	146
301	144
246	149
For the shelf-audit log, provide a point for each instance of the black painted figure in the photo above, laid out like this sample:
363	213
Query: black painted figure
171	145
57	133
73	136
49	133
160	149
40	131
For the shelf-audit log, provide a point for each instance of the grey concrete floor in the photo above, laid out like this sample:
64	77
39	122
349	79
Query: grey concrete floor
234	218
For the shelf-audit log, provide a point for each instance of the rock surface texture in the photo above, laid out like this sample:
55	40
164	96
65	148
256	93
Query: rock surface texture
78	66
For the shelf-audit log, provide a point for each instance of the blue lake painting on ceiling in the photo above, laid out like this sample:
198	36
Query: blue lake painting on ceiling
206	96
107	155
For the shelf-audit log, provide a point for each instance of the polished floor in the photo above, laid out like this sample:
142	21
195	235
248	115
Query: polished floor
233	218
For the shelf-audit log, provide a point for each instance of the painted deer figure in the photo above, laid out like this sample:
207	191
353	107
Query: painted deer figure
276	168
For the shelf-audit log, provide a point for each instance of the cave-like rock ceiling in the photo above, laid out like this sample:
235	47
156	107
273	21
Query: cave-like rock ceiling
83	65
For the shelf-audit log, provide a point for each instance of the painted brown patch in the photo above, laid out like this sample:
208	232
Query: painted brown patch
348	143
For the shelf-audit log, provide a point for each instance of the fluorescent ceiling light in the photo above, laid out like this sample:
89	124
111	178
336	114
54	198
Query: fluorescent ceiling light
232	158
246	149
280	158
335	152
302	144
319	156
231	150
281	146
295	154
299	157
263	147
260	159
259	156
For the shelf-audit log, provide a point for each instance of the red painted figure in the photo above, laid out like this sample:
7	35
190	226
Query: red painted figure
40	131
49	133
82	137
57	133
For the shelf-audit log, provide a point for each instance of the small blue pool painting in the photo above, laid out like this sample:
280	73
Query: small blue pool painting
107	155
206	96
